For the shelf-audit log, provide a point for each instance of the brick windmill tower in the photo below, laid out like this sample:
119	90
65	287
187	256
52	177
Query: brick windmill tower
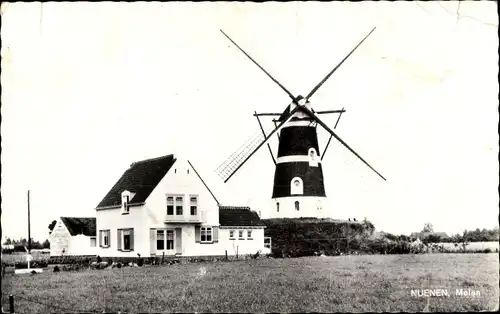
298	189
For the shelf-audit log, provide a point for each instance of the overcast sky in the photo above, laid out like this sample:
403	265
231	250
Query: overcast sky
88	88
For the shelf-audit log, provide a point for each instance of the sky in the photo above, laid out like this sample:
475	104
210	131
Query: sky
89	88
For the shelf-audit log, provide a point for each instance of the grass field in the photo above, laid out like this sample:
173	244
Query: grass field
322	284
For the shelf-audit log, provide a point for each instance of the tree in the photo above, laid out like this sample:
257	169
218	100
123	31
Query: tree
46	244
428	227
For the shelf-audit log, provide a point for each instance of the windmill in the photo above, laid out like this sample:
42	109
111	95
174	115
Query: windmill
298	189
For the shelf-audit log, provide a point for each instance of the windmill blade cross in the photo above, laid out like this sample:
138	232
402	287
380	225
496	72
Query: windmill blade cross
311	93
313	116
264	141
260	67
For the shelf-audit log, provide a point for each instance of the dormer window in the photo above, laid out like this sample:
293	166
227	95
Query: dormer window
296	186
313	157
125	208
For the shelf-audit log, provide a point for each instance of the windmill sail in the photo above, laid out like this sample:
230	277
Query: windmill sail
240	155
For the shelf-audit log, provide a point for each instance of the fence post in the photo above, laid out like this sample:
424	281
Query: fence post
11	303
237	251
162	258
226	255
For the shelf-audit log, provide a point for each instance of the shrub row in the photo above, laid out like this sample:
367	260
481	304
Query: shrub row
22	265
308	237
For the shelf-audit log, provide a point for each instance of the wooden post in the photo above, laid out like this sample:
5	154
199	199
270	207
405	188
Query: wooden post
226	255
29	227
237	252
162	258
11	303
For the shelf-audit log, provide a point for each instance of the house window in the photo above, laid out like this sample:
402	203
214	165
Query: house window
297	205
160	240
231	234
93	242
170	205
127	240
249	234
296	186
267	242
194	205
178	205
278	207
104	238
206	234
164	239
170	239
240	234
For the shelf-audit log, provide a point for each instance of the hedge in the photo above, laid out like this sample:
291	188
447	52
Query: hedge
296	237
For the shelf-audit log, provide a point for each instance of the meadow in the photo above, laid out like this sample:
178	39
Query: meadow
311	284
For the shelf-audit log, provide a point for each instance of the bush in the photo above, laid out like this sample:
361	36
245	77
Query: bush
309	236
71	259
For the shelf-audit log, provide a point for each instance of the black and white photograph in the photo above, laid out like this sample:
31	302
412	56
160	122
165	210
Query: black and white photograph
244	157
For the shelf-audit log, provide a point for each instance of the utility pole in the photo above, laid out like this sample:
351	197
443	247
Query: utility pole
29	226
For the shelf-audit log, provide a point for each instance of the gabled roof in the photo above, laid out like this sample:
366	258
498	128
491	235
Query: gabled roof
235	216
80	225
141	178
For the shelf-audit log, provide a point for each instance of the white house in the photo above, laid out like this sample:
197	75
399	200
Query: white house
73	236
163	206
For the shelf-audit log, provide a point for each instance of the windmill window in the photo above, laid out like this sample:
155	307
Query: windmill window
240	235
296	186
297	205
313	158
231	234
278	207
